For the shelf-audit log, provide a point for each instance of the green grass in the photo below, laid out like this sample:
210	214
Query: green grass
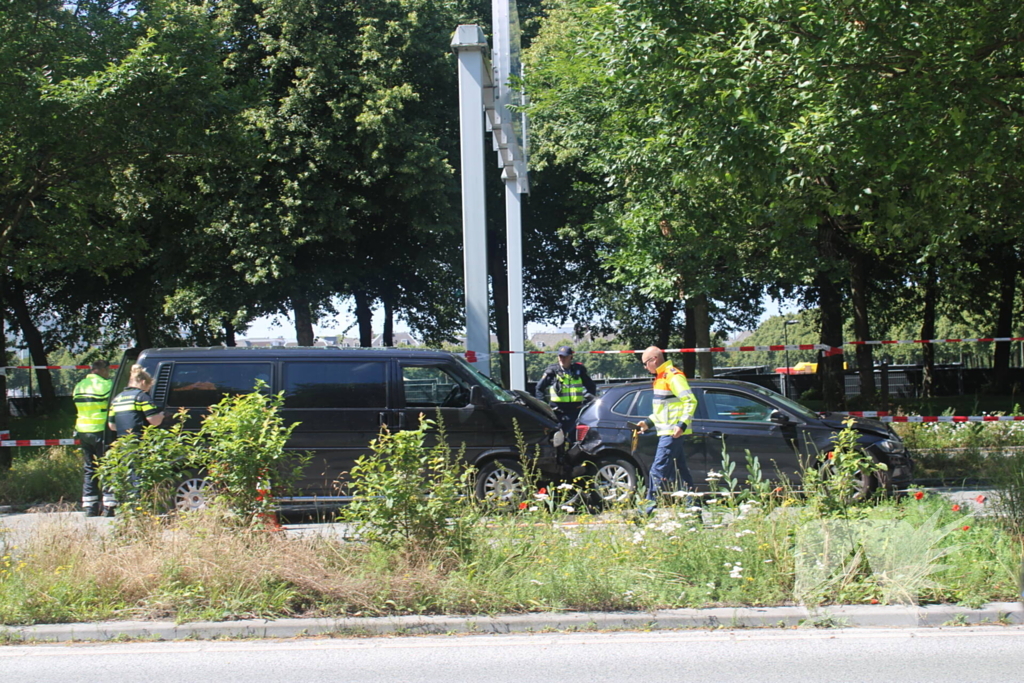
205	567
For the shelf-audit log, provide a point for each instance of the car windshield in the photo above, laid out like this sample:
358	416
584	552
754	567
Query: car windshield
789	404
499	391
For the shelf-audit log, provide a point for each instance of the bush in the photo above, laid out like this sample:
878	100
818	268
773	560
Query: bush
138	468
241	447
409	495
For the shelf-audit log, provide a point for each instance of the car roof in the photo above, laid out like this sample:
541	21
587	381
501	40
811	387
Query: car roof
698	383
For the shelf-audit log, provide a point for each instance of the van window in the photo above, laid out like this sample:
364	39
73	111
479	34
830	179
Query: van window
335	384
196	385
431	387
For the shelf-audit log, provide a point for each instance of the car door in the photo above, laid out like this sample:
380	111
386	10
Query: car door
738	422
340	406
431	388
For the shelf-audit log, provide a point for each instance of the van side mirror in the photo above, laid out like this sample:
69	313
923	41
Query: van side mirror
779	417
476	396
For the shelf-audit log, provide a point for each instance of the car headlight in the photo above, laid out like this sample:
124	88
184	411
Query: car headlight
558	438
890	446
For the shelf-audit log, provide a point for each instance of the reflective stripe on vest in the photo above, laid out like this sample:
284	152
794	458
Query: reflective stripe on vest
91	396
674	401
566	389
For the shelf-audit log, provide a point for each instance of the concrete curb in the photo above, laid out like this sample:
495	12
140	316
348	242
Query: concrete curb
883	616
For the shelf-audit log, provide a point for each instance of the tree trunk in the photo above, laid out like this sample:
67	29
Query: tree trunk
34	341
1008	268
389	323
702	335
859	282
229	333
303	319
931	294
140	327
689	340
6	454
830	303
364	318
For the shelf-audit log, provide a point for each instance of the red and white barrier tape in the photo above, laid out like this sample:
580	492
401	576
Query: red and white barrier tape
885	416
472	356
934	341
39	442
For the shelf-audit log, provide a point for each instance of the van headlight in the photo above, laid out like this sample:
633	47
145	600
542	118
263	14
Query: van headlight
891	446
558	438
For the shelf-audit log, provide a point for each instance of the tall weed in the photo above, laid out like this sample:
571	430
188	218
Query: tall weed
49	475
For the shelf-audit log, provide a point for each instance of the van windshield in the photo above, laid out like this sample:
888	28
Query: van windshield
499	391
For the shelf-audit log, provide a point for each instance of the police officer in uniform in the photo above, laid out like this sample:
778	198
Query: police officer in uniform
91	396
130	412
566	385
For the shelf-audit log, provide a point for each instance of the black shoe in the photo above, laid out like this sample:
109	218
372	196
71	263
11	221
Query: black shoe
93	510
107	512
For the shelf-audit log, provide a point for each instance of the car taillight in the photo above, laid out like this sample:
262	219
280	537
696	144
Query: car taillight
581	432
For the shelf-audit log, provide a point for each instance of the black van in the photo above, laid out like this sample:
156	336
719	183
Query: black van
341	399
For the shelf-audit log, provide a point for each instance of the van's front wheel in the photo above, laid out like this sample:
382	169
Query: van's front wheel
500	482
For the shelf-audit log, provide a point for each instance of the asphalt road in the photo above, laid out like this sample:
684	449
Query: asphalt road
976	654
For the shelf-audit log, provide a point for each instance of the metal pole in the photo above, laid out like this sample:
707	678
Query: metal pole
785	337
469	43
514	239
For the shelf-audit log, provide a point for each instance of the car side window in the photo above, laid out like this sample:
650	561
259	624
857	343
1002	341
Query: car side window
430	386
640	407
722	405
335	384
197	385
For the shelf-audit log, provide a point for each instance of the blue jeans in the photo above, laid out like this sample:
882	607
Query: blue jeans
669	470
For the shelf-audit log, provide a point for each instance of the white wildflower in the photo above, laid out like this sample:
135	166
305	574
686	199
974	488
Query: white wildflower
565	486
745	532
714	475
568	508
679	494
734	547
536	582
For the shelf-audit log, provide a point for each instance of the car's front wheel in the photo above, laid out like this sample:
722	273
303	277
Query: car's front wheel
614	480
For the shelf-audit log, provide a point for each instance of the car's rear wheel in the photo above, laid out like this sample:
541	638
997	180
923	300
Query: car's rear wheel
500	482
614	480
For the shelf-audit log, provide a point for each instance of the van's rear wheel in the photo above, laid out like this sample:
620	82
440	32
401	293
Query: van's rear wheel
192	493
500	482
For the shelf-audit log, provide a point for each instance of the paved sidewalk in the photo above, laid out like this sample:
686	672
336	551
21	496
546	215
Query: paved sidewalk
1001	613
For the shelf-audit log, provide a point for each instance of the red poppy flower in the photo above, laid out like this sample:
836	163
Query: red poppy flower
777	489
956	508
981	499
543	491
831	455
919	495
966	527
522	506
874	601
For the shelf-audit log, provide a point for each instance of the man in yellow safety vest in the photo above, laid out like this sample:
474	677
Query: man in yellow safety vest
91	396
674	406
